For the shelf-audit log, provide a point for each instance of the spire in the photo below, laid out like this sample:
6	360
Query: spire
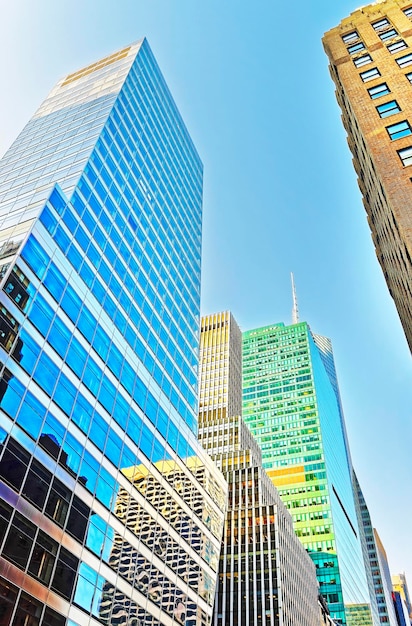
295	312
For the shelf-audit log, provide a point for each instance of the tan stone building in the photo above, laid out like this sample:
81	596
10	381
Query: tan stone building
266	577
370	54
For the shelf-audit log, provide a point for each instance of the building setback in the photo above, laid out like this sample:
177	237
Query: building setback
110	511
370	55
292	405
265	576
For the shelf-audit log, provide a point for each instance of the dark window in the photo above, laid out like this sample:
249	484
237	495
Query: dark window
65	574
8	329
37	484
378	91
408	12
363	60
399	130
51	618
78	519
8	597
5	515
18	288
388	108
43	558
58	502
370	74
28	612
13	464
19	541
409	77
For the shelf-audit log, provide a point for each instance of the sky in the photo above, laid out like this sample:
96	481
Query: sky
251	81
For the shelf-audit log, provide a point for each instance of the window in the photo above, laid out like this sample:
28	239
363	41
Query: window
349	37
381	24
405	155
389	108
397	46
43	557
356	48
18	544
408	12
409	77
379	90
388	34
399	130
370	74
405	60
363	60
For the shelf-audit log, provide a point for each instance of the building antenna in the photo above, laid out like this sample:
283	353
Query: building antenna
295	311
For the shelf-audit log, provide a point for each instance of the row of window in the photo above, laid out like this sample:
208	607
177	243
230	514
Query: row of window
18	607
31	549
142	294
27	475
364	59
79	314
400	129
63	447
375	73
382	27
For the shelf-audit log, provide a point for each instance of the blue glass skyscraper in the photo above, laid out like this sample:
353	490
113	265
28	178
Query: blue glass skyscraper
110	512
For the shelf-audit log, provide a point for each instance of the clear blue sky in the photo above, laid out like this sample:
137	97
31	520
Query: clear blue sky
280	195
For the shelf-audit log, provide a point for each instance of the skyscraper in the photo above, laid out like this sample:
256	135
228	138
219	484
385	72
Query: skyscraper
385	600
110	510
400	585
381	613
371	65
265	576
401	611
220	367
292	405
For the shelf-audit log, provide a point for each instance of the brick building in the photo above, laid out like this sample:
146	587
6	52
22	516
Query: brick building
370	54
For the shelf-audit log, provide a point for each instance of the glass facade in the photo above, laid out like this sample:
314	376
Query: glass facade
291	404
265	575
110	510
383	583
400	585
368	550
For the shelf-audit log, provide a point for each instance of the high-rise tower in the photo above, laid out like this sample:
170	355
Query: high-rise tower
385	600
292	405
380	595
220	367
400	585
370	55
109	510
265	576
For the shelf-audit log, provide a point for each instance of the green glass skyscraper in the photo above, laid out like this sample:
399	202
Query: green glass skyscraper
292	405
